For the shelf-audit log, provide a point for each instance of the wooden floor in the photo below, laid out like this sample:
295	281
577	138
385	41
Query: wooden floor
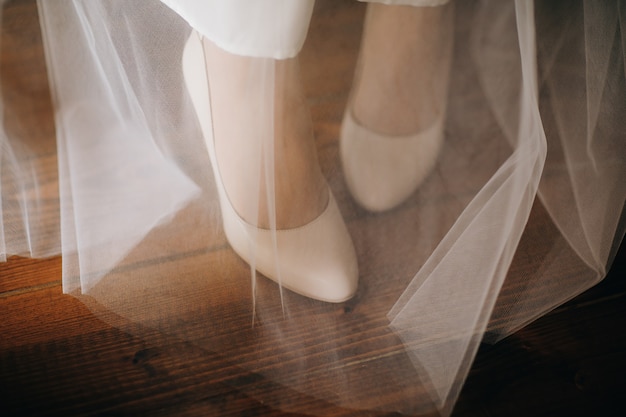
57	358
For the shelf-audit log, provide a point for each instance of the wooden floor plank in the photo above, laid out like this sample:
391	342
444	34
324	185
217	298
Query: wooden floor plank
23	274
557	366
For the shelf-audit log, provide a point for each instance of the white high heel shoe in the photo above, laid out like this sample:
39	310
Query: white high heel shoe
316	260
383	171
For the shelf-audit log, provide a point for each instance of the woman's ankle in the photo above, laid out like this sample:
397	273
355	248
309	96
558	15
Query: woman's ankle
401	82
260	117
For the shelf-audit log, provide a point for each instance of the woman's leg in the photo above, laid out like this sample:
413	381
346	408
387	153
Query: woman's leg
240	99
393	127
401	82
256	122
258	104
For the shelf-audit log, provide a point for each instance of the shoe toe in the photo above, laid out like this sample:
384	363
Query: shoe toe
317	260
381	172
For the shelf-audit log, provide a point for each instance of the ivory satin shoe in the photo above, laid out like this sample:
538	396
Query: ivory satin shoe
383	171
316	260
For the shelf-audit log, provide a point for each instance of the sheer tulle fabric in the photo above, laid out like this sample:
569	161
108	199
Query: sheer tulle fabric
535	117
